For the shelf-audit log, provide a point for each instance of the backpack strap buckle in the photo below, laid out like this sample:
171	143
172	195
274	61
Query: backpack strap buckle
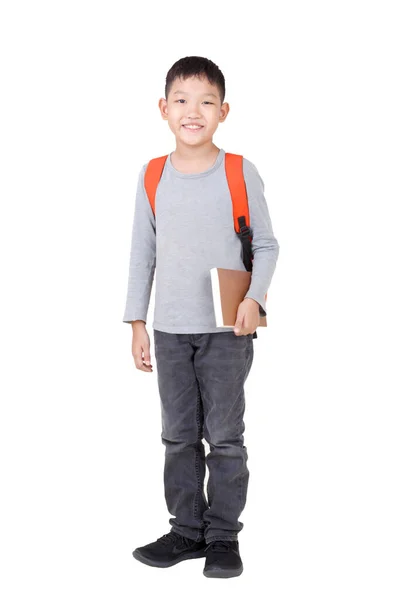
244	232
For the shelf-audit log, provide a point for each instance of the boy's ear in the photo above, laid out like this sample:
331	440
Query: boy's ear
162	105
224	112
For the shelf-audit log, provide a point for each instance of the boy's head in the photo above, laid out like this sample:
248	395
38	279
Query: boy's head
194	94
196	66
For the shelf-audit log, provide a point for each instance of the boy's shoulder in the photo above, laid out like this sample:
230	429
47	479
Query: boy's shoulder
250	170
249	165
155	157
146	164
251	174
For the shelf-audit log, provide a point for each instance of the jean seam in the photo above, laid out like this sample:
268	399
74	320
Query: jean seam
197	458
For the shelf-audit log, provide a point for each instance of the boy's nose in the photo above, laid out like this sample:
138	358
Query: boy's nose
193	111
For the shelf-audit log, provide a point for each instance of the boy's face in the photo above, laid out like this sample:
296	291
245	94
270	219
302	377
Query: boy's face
193	101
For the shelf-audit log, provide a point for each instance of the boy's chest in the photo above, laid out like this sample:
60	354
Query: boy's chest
199	206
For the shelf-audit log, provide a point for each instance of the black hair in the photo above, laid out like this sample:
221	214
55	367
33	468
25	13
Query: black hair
196	66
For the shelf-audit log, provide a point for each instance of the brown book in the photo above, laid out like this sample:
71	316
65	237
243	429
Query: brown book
229	287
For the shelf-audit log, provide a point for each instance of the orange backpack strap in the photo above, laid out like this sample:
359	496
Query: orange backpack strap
152	177
240	205
237	188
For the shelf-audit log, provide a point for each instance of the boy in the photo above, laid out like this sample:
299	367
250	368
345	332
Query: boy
201	368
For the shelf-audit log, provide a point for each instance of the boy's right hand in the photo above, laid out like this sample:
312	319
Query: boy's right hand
141	347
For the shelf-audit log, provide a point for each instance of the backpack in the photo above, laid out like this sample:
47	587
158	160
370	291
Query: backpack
240	206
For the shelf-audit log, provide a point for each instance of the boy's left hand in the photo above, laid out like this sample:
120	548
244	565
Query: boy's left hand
248	317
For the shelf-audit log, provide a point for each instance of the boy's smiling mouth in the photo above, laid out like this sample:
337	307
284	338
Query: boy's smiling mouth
192	128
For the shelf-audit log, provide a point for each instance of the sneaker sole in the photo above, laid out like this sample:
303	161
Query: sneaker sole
164	565
223	573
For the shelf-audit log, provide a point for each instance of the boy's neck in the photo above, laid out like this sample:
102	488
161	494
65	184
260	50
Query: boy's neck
189	159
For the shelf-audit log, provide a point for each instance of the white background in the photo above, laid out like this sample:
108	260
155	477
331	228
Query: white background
314	94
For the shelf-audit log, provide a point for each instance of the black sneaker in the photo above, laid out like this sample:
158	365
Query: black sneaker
169	550
223	559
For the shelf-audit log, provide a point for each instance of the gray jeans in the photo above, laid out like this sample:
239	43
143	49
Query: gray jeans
200	379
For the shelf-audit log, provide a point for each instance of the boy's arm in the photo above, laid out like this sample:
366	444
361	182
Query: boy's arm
142	257
265	244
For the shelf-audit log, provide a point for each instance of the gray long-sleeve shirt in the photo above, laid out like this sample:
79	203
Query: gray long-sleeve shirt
193	231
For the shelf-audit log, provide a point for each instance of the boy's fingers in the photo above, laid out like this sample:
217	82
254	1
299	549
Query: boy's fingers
141	353
238	324
146	357
137	357
145	368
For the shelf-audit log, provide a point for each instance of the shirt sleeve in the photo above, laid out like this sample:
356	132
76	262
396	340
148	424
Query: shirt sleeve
142	256
264	243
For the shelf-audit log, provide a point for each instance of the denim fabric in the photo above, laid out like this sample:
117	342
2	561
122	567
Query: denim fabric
201	380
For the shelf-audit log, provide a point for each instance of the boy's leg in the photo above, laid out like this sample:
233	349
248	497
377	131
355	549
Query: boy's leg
222	363
182	433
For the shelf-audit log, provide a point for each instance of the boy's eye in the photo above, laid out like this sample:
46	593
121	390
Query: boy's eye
205	102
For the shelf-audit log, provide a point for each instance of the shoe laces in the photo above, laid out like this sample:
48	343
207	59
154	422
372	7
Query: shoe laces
174	537
168	538
219	546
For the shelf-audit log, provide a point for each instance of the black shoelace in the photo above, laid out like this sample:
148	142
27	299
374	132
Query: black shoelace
219	546
169	537
174	537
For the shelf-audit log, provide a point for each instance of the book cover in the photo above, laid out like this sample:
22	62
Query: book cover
229	287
